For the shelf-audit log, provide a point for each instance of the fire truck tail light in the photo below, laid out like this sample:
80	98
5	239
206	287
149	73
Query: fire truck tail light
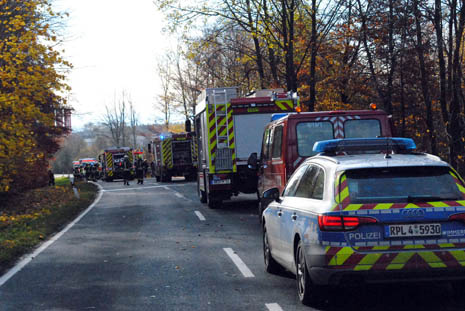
373	106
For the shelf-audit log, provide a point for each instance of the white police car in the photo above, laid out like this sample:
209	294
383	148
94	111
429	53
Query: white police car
387	214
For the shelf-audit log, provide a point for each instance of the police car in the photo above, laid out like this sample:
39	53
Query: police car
366	210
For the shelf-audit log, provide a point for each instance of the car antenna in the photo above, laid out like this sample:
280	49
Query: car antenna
388	144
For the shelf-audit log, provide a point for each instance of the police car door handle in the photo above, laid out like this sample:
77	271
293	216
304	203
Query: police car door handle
280	213
294	216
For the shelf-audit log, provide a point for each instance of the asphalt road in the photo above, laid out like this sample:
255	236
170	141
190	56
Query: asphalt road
155	247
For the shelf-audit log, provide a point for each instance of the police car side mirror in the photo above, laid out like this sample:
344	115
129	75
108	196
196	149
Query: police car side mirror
272	195
252	162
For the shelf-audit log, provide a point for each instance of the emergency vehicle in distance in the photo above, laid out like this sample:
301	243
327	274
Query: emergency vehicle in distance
228	130
174	155
288	140
112	162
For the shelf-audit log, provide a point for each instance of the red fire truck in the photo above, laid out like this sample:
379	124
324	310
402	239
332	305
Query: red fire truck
288	140
228	130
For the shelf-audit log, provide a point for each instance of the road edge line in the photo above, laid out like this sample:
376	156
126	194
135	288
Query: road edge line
28	257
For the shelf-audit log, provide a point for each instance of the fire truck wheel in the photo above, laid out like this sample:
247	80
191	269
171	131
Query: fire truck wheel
165	178
203	197
213	202
191	177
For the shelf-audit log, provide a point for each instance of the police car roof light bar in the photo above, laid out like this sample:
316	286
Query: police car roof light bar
276	116
386	144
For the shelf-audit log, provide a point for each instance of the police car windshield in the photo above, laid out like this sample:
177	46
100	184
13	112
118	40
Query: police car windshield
402	185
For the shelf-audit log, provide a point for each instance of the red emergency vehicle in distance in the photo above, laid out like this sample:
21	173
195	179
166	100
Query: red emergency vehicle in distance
288	140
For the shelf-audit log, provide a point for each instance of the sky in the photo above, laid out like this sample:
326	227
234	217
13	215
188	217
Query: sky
113	46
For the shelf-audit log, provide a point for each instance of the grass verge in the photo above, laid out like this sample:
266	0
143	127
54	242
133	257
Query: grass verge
28	219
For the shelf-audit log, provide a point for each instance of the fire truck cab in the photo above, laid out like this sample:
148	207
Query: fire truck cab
228	130
289	138
174	155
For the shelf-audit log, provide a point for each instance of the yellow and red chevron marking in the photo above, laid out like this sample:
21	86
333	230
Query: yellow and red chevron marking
224	125
130	156
194	149
396	257
285	105
167	153
109	159
231	139
342	190
458	182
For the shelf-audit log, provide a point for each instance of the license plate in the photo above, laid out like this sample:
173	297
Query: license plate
413	230
221	182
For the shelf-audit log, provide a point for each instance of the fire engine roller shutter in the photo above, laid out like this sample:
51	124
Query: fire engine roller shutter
249	132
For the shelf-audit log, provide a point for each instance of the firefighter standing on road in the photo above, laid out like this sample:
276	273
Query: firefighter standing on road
140	171
127	170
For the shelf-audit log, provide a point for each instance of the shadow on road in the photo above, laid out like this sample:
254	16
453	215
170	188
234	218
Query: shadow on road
239	205
424	296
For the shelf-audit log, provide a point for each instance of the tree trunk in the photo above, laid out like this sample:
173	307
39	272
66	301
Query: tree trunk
364	30
313	53
391	60
442	63
271	52
256	42
455	130
424	79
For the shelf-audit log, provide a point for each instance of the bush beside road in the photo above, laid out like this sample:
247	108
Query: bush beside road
31	217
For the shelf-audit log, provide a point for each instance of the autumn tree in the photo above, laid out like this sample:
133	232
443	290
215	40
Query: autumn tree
406	56
31	81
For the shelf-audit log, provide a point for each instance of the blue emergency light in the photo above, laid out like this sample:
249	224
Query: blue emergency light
165	135
276	116
387	144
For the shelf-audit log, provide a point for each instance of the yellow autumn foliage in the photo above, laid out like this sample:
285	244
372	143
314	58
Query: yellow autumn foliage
29	84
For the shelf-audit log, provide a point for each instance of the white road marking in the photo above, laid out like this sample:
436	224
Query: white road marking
142	187
239	263
178	194
134	188
199	214
27	259
273	307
